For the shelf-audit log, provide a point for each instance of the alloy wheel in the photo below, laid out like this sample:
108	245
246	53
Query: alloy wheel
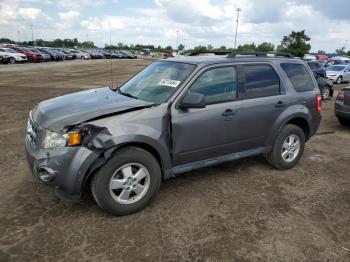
129	183
325	93
291	148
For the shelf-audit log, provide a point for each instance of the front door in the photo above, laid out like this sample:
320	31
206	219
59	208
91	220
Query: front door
199	134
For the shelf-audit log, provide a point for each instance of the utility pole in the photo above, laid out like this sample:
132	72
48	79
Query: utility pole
177	39
237	10
31	28
19	36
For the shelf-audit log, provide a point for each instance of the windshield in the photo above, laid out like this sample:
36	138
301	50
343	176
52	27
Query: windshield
33	50
10	50
157	82
336	68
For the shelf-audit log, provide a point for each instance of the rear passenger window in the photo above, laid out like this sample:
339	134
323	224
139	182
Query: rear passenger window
260	81
299	76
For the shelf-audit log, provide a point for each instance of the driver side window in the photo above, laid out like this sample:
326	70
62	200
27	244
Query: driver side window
217	85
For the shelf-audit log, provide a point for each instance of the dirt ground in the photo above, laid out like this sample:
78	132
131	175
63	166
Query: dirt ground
238	211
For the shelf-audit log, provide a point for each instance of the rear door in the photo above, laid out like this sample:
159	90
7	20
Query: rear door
264	101
346	75
200	134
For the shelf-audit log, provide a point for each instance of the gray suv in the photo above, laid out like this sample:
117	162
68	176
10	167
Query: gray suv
174	116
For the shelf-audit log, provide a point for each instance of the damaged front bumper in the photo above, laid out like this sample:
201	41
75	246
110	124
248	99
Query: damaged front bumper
63	169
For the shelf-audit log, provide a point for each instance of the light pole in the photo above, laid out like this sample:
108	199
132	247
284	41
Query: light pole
177	39
31	28
237	10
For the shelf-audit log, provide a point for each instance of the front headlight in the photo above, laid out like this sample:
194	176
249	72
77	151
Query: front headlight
53	139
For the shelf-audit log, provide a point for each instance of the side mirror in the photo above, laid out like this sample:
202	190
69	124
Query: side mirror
192	100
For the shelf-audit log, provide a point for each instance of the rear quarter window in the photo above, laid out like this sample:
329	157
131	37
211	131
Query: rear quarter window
299	77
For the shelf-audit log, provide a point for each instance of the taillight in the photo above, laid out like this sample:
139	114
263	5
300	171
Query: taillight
318	103
341	95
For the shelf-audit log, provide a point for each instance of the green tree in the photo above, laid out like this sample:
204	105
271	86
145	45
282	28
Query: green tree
223	47
296	43
6	41
168	48
321	52
340	51
246	48
210	47
265	47
181	47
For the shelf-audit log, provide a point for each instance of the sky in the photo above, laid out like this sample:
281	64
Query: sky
168	22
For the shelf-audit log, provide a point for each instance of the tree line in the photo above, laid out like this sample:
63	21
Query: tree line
296	43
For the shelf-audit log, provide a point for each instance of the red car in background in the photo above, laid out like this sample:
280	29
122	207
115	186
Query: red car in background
32	57
322	57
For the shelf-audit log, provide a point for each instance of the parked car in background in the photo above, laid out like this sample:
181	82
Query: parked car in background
77	54
334	62
322	57
45	56
4	59
168	54
341	58
32	56
117	55
59	53
326	87
175	116
145	52
342	106
317	69
67	54
14	56
338	73
128	54
47	52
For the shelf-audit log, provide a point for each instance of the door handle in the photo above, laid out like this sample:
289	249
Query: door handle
280	104
229	112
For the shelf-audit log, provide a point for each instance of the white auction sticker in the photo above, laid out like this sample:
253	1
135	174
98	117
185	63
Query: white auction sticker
169	82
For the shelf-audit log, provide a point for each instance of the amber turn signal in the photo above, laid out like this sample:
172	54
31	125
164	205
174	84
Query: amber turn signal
74	139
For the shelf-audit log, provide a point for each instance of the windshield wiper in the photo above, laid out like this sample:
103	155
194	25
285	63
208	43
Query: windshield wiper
126	94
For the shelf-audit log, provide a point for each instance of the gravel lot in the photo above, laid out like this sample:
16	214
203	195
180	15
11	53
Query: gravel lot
239	211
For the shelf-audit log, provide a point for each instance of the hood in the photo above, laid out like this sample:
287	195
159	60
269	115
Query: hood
79	107
334	72
19	55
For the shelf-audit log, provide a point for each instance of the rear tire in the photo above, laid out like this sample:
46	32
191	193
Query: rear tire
120	193
326	93
344	122
285	154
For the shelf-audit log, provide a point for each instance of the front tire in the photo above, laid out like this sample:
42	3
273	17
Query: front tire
127	182
339	80
288	148
12	60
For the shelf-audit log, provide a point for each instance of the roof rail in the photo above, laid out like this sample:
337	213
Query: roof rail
259	54
210	52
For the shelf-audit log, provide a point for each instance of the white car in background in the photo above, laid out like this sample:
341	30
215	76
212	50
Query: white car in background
79	54
14	56
338	73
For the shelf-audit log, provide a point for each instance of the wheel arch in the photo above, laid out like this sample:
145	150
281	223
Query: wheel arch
302	123
107	154
301	120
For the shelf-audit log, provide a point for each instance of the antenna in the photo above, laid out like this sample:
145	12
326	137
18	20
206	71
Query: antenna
110	58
